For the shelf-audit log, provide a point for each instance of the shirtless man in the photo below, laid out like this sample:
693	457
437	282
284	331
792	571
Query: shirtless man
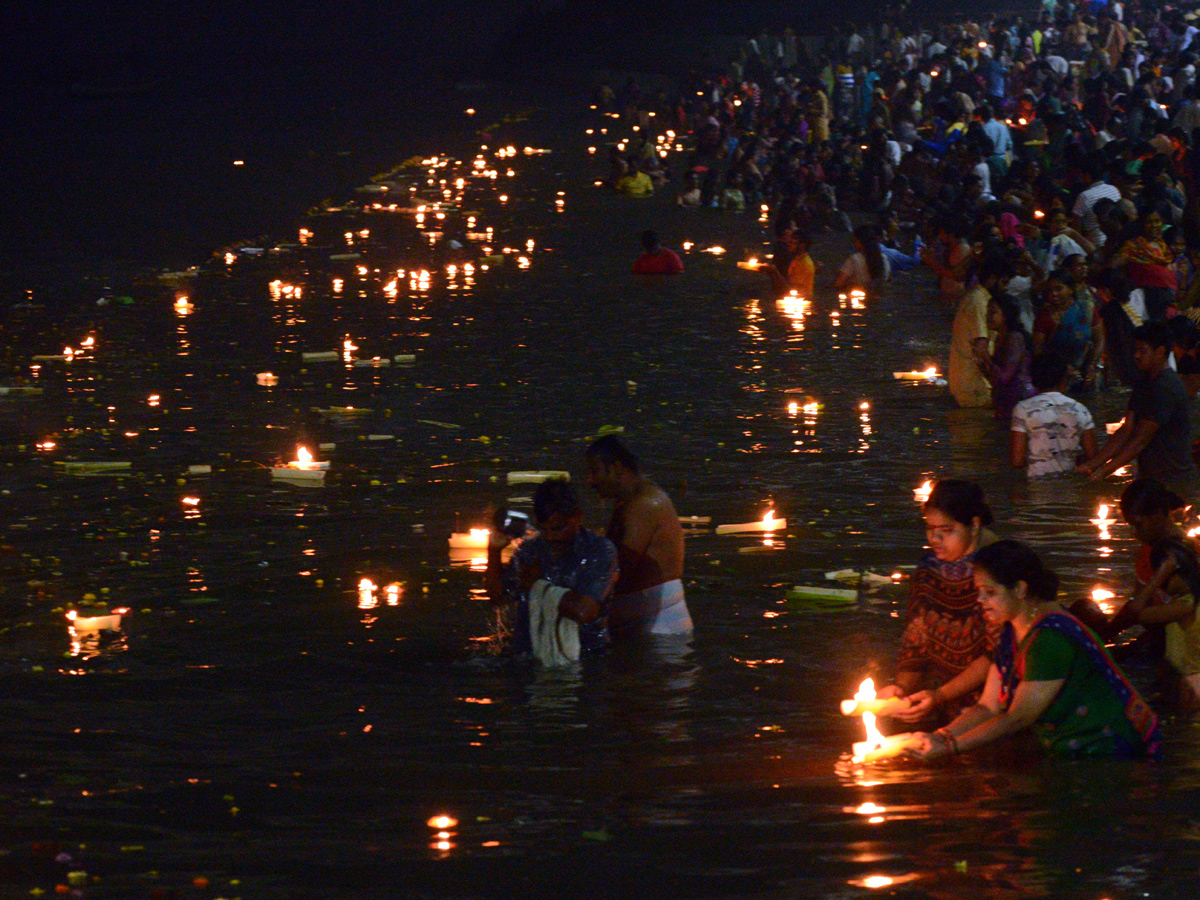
648	596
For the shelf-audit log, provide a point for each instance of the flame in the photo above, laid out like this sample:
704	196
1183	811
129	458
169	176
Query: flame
874	737
922	493
793	407
303	456
442	823
769	519
480	532
866	690
1102	512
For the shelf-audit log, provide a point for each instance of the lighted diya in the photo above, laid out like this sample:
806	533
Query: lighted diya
768	523
475	539
921	494
750	265
94	624
302	470
878	746
930	374
864	702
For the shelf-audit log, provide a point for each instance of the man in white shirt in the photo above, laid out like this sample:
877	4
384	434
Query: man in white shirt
1050	429
1085	204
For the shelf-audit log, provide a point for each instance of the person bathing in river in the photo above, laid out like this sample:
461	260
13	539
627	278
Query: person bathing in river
866	266
1167	572
943	658
1050	431
1157	428
564	554
648	596
656	259
799	273
1050	673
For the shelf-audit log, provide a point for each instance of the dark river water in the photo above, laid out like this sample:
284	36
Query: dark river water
262	727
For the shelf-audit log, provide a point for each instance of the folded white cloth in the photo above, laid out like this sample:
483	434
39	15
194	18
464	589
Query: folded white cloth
555	638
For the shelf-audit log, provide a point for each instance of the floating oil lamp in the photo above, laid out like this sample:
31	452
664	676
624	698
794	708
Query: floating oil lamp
793	408
266	379
303	469
475	539
443	831
183	306
921	494
46	445
94	624
153	400
878	747
864	702
715	250
769	523
750	265
930	374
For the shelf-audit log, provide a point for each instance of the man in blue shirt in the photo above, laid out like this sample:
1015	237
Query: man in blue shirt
1002	142
563	553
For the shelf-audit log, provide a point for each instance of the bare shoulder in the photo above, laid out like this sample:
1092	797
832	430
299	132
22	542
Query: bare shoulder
651	500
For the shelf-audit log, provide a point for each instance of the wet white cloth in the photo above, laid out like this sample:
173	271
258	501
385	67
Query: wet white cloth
660	609
555	638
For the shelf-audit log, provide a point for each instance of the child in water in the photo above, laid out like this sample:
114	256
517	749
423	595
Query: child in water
1168	582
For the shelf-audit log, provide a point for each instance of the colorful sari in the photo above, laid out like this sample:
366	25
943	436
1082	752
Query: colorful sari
1109	719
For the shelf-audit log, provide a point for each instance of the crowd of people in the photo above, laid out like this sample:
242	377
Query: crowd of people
1043	168
1040	166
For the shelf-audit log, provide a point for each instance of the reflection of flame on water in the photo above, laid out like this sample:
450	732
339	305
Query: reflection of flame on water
366	594
794	307
1103	521
1103	599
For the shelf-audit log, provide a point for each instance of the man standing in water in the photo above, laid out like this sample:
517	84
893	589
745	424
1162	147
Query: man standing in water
1157	430
648	596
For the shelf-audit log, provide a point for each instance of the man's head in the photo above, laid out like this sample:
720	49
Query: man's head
1048	372
610	466
649	241
1151	347
556	508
